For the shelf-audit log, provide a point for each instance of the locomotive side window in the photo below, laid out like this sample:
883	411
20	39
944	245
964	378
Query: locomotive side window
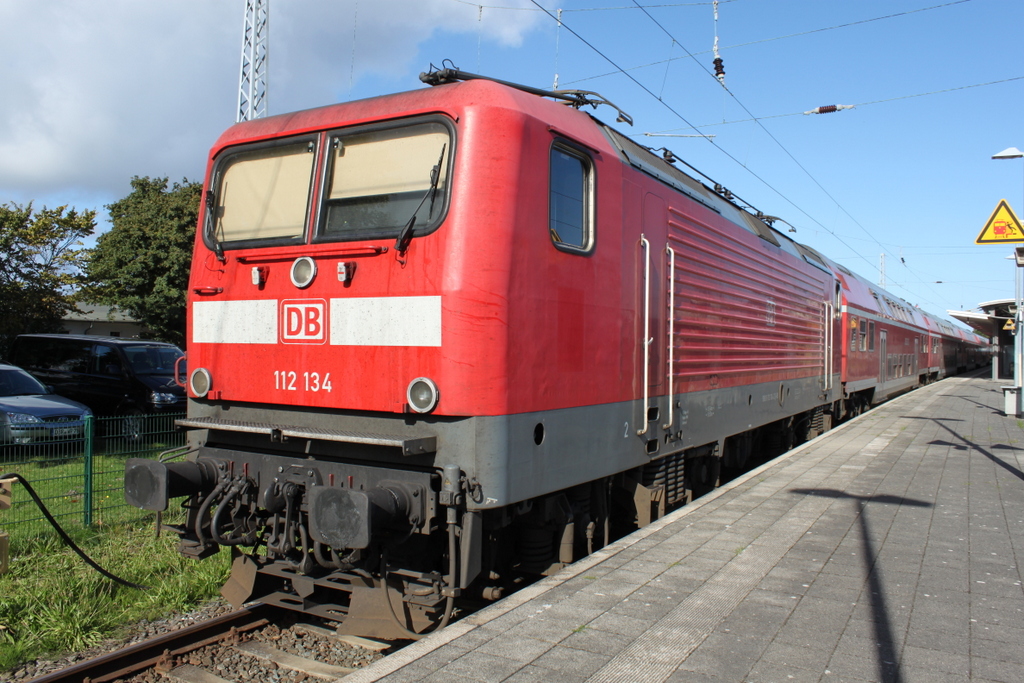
263	194
381	179
571	199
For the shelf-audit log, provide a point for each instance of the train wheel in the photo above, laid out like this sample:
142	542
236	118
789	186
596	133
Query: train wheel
703	474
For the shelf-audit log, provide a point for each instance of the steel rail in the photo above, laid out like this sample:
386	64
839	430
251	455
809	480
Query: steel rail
161	650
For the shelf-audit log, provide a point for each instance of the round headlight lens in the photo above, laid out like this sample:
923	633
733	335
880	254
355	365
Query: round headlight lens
303	272
200	382
422	395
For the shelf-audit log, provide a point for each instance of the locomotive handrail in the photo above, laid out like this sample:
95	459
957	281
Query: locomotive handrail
671	330
269	256
829	345
647	338
177	363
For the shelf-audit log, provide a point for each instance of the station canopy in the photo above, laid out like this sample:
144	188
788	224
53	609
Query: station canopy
992	318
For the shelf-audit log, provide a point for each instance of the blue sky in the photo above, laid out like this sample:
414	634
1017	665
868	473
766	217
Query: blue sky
121	88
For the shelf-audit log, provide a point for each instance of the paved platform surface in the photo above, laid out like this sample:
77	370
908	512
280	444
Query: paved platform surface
887	550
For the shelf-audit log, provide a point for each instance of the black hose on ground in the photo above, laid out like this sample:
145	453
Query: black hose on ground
64	535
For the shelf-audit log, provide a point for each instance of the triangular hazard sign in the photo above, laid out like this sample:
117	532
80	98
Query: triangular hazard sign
1002	226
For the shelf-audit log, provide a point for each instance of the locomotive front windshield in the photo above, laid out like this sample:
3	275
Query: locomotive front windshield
377	180
264	193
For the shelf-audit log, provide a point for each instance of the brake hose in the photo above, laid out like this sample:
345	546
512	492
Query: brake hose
64	536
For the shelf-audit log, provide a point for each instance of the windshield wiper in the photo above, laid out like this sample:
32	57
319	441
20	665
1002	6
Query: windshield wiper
404	237
209	227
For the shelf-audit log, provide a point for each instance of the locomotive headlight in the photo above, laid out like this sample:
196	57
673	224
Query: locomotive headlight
200	382
303	272
422	395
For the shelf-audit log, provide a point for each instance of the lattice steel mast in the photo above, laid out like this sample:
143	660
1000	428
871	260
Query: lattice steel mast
252	83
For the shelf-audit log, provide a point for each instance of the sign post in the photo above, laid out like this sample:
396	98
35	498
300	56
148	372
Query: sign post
5	502
1003	227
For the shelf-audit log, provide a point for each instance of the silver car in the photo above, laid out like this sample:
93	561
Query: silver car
30	413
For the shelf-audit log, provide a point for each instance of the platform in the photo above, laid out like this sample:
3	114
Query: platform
888	550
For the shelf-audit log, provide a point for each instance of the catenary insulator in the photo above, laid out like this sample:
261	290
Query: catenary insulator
719	69
829	108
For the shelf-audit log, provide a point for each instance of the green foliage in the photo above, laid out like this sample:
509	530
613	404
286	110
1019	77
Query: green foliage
40	260
142	264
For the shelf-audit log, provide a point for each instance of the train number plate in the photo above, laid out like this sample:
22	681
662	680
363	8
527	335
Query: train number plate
290	380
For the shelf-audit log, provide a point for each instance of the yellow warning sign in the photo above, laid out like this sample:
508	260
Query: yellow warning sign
1009	325
1002	226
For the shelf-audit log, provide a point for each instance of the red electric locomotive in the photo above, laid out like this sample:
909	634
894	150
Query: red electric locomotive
448	337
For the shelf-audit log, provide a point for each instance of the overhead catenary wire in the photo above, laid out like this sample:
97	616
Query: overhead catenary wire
683	118
858	105
764	40
678	115
598	9
800	165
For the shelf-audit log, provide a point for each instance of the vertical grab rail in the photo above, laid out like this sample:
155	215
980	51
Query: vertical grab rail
831	346
827	343
647	339
671	331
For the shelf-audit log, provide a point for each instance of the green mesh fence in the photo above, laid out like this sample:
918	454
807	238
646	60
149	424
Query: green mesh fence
79	473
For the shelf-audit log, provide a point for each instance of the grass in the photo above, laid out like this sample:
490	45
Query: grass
51	602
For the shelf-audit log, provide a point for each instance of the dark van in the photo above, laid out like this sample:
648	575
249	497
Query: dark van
111	375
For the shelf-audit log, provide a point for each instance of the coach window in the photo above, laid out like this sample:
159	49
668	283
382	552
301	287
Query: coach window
262	194
863	335
871	336
571	199
381	179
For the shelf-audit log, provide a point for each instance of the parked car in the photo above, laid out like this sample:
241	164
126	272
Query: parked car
113	376
31	413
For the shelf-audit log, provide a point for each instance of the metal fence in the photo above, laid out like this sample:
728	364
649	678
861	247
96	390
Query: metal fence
79	473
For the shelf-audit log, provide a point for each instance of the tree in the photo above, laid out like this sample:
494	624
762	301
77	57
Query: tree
142	264
39	264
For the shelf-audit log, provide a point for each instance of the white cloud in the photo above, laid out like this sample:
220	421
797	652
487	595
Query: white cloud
96	92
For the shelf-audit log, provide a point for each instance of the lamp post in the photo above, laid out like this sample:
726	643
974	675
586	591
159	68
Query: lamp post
1014	406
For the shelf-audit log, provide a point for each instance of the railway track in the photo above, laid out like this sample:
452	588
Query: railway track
240	646
260	643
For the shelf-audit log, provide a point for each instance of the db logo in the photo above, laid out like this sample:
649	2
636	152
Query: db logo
303	321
